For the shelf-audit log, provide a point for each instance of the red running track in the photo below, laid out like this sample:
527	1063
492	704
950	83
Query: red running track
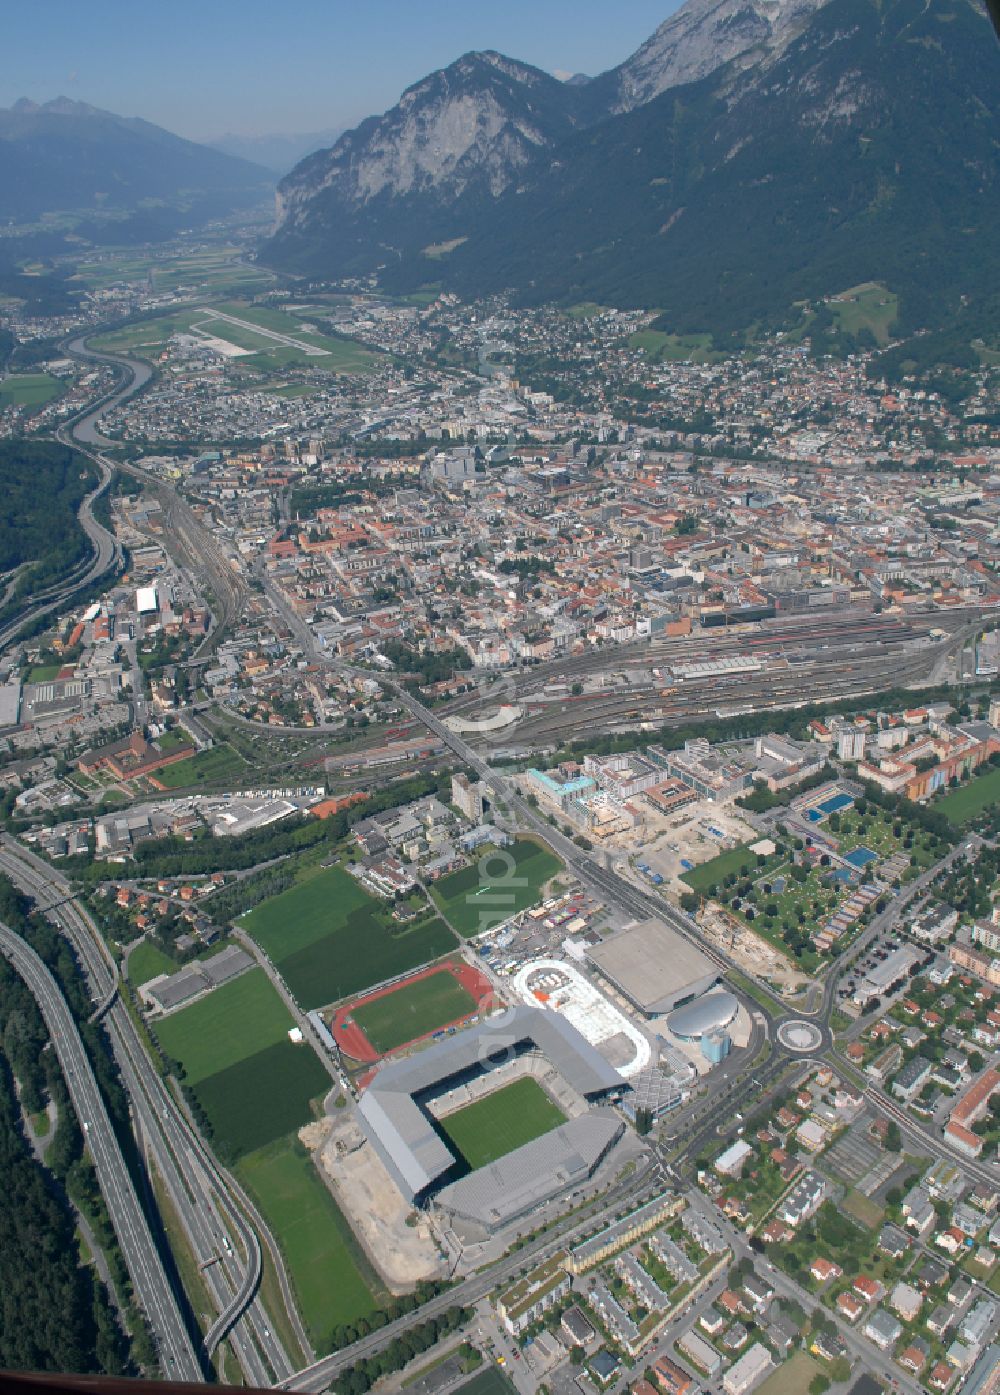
352	1040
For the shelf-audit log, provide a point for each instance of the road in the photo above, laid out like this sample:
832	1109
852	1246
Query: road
220	1224
183	531
647	1180
153	1291
81	433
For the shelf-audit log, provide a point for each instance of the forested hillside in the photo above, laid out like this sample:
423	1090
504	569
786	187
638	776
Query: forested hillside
55	1314
42	484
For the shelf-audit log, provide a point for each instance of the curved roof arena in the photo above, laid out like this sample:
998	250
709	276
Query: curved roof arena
709	1013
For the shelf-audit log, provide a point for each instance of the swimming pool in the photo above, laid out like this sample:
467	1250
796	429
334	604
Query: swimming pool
861	857
835	803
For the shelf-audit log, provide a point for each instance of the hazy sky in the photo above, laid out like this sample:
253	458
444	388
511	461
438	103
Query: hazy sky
207	67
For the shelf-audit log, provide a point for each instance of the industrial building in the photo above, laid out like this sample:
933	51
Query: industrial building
654	967
396	1114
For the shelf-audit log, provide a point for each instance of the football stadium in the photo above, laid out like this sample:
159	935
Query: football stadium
488	1125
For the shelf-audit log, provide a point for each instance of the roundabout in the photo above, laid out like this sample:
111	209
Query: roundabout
800	1037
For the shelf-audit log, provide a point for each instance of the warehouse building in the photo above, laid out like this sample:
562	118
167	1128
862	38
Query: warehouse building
656	968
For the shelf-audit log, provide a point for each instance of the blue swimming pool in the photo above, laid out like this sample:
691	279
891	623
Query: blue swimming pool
835	803
861	857
814	816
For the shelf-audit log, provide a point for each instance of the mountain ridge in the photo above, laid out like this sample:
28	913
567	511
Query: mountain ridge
66	155
838	141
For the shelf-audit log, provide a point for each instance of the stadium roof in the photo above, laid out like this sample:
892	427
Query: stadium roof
709	1013
401	1130
654	966
513	1185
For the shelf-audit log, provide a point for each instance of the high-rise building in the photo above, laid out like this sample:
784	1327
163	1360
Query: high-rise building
467	797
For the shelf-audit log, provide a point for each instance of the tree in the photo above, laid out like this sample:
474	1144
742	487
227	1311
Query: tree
893	1138
577	1355
819	1384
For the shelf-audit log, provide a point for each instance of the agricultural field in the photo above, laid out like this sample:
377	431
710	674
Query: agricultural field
413	1010
331	1279
485	893
207	767
330	939
961	806
869	306
28	390
215	270
503	1121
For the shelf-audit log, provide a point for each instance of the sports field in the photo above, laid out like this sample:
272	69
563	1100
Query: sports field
330	939
328	1273
501	883
496	1125
413	1010
963	804
255	1086
253	1083
28	390
227	1025
488	1381
147	961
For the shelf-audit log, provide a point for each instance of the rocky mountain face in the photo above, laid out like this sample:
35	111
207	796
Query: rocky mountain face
702	37
752	153
65	155
456	140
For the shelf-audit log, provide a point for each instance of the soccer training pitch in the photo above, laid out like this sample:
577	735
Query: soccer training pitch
501	883
503	1121
330	939
233	1046
413	1010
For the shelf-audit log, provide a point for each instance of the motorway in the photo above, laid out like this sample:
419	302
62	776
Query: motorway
220	1224
81	433
152	1288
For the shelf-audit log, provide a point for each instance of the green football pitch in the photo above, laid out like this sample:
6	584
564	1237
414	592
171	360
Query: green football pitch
413	1010
501	883
496	1125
